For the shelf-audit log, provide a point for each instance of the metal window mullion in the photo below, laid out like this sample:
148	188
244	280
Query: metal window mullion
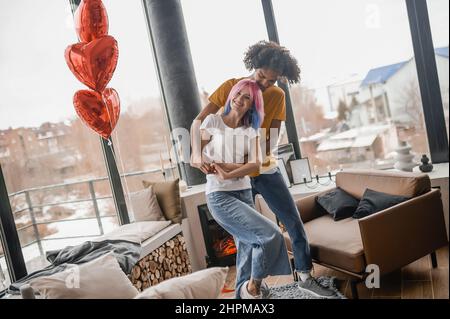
430	92
272	32
10	238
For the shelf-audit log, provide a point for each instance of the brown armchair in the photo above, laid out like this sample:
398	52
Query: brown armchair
391	238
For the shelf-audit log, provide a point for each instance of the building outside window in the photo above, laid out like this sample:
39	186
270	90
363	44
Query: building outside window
359	95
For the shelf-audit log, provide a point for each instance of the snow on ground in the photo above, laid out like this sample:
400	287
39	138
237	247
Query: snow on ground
88	228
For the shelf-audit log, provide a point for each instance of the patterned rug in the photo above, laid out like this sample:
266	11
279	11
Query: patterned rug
291	291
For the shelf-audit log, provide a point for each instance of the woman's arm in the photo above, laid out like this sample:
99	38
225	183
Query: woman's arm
197	147
203	166
254	160
228	167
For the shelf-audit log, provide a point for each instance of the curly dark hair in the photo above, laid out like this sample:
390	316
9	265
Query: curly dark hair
268	54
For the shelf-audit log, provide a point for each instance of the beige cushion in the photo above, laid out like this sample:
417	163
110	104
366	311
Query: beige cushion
136	232
101	278
144	206
168	195
203	284
337	243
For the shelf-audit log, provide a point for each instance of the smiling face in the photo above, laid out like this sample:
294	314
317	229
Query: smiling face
265	78
242	101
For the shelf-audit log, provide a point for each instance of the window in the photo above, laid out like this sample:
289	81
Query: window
4	274
439	22
141	138
359	95
54	170
220	37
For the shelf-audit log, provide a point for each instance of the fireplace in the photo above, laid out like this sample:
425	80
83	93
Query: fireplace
220	246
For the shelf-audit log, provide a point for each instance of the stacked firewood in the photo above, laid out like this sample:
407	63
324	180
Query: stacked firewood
165	262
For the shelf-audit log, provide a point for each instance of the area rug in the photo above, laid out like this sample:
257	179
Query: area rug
291	290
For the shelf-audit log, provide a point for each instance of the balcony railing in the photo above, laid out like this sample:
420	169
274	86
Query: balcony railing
32	208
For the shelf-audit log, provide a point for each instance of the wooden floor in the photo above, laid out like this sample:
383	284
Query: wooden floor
417	280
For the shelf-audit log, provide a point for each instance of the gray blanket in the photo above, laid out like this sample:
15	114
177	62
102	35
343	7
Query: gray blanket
127	254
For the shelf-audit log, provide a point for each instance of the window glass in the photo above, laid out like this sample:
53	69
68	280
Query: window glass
359	95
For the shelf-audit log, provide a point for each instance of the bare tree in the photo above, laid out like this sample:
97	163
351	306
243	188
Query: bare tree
307	112
412	103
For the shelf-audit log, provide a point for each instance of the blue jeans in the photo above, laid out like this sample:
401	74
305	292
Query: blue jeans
277	196
261	250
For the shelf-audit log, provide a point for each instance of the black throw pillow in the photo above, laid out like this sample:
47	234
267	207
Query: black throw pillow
338	203
373	201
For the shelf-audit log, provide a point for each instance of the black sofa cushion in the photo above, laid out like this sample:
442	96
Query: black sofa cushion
338	203
373	201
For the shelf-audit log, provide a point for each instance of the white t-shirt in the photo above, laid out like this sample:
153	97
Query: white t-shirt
227	145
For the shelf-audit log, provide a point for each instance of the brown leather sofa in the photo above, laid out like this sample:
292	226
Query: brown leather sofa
391	238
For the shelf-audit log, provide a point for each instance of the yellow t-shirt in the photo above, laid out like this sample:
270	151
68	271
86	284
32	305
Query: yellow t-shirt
274	109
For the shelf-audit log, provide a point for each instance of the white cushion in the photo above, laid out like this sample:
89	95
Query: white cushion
144	206
136	232
203	284
101	278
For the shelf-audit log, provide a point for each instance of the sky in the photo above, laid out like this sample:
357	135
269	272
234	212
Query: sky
332	40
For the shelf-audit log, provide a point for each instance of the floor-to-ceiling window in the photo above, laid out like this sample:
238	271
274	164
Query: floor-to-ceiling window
439	23
219	33
52	163
141	139
4	274
359	95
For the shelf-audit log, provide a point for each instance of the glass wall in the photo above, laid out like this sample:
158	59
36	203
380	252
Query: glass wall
141	139
439	22
359	95
53	164
219	33
4	274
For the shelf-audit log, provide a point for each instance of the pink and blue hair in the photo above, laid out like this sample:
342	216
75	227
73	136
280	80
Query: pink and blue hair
255	115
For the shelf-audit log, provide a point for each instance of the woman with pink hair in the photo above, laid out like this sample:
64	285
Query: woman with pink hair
230	151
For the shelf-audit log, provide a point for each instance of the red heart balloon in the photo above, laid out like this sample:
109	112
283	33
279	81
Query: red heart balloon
93	63
98	111
91	20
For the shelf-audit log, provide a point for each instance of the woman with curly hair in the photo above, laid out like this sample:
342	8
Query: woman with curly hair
231	137
269	62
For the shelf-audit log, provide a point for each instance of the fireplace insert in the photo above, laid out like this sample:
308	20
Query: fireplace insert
220	247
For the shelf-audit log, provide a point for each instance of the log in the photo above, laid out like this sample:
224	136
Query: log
152	266
166	264
136	272
167	261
